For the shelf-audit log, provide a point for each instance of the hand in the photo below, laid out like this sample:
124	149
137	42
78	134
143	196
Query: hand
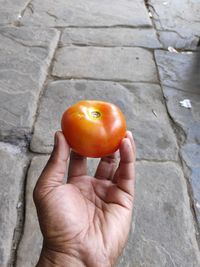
86	221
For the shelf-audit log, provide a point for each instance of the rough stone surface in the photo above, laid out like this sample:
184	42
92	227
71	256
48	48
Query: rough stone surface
179	70
157	141
180	77
191	156
178	21
173	39
110	37
13	166
63	13
154	140
164	233
32	238
141	104
25	55
187	119
11	10
119	64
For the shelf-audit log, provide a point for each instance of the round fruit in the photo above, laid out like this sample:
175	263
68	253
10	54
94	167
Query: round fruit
93	128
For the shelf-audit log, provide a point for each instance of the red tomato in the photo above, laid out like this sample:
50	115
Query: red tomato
93	128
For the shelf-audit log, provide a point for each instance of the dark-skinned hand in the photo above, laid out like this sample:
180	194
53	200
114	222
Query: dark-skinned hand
86	221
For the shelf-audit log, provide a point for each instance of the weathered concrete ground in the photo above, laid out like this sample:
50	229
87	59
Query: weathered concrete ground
54	53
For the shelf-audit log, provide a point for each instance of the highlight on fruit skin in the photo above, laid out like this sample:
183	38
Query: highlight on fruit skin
93	128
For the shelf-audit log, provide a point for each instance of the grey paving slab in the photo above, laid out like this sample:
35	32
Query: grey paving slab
173	39
191	156
105	63
110	37
139	102
13	165
187	119
25	56
163	230
147	102
155	140
10	11
63	13
31	242
150	126
178	21
179	70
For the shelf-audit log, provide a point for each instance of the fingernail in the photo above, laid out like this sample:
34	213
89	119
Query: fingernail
130	133
127	134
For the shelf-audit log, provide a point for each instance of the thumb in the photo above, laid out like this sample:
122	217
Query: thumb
54	171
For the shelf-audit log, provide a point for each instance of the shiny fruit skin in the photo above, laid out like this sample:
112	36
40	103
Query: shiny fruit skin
93	128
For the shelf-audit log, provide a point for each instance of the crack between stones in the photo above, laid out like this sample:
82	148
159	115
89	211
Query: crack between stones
52	15
21	140
106	46
57	78
150	49
152	19
149	7
28	5
126	26
119	26
153	11
48	77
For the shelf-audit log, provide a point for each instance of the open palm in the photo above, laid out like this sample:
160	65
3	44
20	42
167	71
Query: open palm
87	217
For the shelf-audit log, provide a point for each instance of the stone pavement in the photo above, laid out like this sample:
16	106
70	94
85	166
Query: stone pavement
141	55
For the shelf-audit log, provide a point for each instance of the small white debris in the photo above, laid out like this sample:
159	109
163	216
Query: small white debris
19	204
19	16
153	111
150	15
165	3
198	205
186	103
172	49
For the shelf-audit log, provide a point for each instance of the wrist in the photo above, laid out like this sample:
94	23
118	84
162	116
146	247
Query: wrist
50	258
